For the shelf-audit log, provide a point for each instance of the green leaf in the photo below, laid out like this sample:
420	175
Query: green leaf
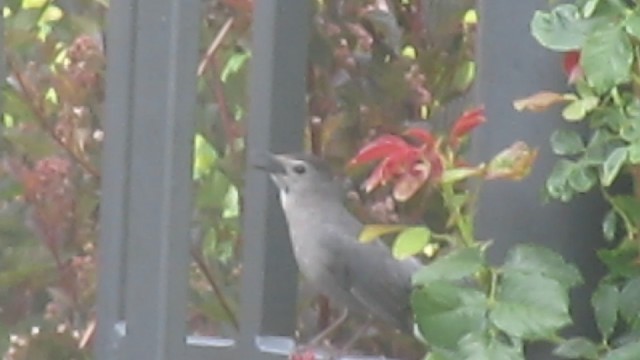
375	231
212	190
204	157
410	241
234	64
210	242
34	4
453	266
632	24
231	205
578	109
621	260
606	58
464	76
629	301
538	260
609	225
530	306
605	307
562	29
630	129
557	182
628	207
577	348
589	7
596	152
582	178
566	142
479	347
630	351
436	353
613	164
607	122
445	312
634	152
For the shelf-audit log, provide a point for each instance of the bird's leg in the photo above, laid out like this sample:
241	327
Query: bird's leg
330	329
356	336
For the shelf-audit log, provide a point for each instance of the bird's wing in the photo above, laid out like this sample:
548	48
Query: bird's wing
379	283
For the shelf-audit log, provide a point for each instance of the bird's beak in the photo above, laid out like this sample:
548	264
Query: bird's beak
273	164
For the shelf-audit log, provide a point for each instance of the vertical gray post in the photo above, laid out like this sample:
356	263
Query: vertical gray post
147	174
277	116
513	65
116	153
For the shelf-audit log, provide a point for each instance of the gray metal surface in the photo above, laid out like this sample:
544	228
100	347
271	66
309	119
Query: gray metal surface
147	175
114	213
512	66
277	116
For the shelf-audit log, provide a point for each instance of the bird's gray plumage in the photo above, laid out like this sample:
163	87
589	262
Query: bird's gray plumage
363	277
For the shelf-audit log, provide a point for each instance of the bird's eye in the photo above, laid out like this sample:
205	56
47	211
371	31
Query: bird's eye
299	169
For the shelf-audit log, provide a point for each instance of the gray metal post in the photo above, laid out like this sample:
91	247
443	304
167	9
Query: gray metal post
116	153
513	65
147	174
277	115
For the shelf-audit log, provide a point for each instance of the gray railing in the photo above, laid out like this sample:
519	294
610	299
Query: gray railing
152	49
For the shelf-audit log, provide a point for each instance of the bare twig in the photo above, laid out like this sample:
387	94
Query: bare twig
87	334
215	44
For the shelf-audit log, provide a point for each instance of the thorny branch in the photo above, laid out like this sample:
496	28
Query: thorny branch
209	59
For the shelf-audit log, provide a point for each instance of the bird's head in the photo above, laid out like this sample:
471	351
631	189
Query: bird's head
300	175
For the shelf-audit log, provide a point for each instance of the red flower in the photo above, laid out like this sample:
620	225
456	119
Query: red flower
379	148
421	135
411	166
465	123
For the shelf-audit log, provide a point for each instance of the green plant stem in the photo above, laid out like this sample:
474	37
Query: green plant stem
628	223
493	286
444	237
463	222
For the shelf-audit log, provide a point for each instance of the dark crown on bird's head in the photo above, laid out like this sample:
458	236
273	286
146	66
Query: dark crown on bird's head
301	174
319	165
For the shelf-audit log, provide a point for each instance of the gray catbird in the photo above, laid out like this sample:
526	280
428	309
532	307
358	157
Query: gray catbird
364	278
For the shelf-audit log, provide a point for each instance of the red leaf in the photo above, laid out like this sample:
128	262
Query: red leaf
571	65
422	135
379	148
467	122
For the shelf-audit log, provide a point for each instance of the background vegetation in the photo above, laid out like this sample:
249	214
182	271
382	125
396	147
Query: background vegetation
388	82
